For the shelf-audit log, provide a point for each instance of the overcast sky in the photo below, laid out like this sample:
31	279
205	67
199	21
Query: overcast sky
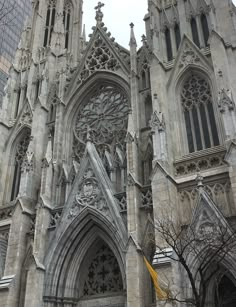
118	14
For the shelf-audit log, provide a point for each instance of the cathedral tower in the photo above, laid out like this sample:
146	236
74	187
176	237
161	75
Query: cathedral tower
97	142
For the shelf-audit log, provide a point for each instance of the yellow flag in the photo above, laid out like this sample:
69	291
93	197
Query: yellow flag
161	294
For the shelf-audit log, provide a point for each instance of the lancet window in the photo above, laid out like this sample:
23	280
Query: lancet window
50	21
20	152
205	28
18	93
197	103
194	30
169	51
67	22
177	35
145	76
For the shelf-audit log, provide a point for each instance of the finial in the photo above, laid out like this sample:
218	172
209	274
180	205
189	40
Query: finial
99	13
199	180
144	40
132	41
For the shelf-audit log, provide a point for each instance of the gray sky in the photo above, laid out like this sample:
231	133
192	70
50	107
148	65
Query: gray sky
118	14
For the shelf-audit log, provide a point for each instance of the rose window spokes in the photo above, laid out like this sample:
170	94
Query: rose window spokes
103	274
105	113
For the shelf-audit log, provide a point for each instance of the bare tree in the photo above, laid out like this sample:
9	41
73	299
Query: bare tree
200	251
7	12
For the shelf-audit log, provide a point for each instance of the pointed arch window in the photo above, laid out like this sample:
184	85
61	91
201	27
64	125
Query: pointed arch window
205	28
67	22
177	35
194	30
169	51
50	21
18	93
201	128
20	152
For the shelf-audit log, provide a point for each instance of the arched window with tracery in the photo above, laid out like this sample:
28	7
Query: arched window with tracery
19	154
200	122
194	30
67	22
205	28
50	21
169	51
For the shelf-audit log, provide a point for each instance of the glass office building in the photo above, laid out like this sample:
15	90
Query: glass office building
11	27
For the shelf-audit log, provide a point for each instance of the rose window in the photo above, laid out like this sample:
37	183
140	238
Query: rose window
105	115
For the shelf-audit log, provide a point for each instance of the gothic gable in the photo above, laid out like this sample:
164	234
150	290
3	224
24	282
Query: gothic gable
207	217
101	54
189	55
92	189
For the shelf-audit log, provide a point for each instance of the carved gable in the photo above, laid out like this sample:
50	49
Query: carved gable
207	218
189	55
92	189
101	54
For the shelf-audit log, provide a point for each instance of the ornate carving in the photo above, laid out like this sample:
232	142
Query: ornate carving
147	196
89	194
157	121
22	147
122	201
6	212
225	100
106	114
26	117
103	274
198	164
55	216
100	57
219	192
28	163
188	57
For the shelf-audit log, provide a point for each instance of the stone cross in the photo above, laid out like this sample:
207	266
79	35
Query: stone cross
99	14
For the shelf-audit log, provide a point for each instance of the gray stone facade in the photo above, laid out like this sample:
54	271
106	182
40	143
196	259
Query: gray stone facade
97	141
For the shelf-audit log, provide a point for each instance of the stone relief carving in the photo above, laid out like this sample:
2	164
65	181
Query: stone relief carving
89	194
199	164
225	100
188	57
27	165
26	117
157	121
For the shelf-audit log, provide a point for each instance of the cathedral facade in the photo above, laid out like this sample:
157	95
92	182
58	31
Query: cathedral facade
98	142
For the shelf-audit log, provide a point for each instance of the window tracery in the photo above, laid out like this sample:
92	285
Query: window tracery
199	115
105	115
50	21
20	152
103	274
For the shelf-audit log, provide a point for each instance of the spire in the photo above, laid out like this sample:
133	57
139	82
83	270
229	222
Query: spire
84	34
99	13
132	41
